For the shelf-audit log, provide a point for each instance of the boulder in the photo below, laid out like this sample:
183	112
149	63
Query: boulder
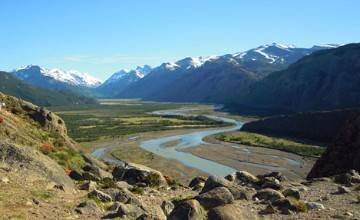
187	210
268	195
213	182
89	186
271	182
197	183
76	175
292	192
125	196
276	174
315	205
288	205
245	177
90	176
215	197
230	212
138	174
129	211
103	197
87	207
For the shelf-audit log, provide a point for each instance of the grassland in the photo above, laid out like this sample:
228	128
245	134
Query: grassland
258	140
115	118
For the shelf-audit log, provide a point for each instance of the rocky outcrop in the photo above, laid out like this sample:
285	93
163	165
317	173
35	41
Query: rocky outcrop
27	157
343	155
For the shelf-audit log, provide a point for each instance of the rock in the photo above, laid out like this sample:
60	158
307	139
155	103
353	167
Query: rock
245	178
114	207
90	176
87	207
123	184
213	182
5	180
230	177
291	192
148	216
303	189
348	178
289	205
270	209
138	174
271	182
215	197
167	207
343	189
314	205
129	211
230	212
89	186
268	195
278	175
197	183
238	192
100	196
343	155
96	171
76	175
187	210
125	196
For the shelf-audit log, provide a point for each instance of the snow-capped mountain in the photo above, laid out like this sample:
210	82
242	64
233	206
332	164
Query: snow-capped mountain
33	73
119	80
215	78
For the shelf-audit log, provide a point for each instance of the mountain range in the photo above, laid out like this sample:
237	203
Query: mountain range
269	79
11	85
219	79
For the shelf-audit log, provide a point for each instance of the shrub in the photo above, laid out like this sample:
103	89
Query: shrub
1	120
46	149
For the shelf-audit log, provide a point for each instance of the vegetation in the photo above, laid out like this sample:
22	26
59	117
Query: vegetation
258	140
113	119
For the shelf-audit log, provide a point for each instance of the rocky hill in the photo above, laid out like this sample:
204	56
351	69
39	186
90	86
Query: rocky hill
343	155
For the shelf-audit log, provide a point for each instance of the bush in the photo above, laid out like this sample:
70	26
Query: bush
47	149
1	120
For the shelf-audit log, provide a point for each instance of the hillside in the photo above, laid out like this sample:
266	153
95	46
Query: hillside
324	80
43	97
319	127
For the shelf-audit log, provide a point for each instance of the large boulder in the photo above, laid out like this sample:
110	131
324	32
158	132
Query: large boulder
214	181
268	195
87	207
343	155
187	210
139	174
97	194
27	157
216	197
230	212
245	177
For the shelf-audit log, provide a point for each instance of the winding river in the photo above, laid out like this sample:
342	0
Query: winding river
171	147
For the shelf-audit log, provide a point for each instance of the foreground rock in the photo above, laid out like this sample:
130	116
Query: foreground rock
136	174
230	212
187	210
215	197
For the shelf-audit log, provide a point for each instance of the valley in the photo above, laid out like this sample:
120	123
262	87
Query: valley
183	148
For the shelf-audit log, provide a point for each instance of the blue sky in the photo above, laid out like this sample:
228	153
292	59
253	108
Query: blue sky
101	37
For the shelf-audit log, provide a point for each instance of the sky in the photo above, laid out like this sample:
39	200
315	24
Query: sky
101	37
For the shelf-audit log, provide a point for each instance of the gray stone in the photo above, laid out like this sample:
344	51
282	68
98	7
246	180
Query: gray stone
291	192
215	197
271	182
87	207
187	210
268	195
129	211
314	205
89	186
197	182
100	196
230	212
246	177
